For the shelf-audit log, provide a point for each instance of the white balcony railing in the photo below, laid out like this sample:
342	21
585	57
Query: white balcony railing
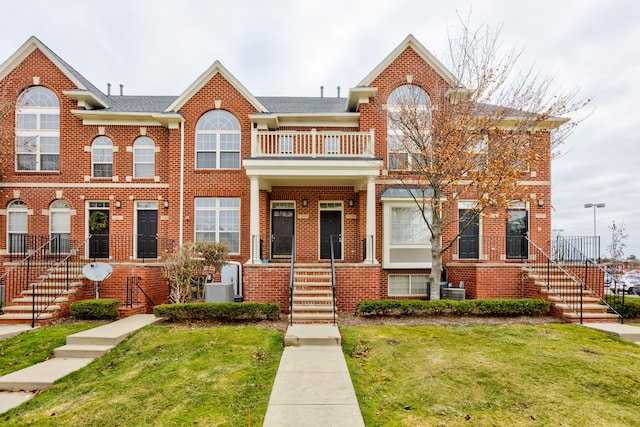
312	144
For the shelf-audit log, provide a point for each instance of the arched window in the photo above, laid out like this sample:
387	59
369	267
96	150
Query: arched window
60	226
17	227
143	157
218	141
37	130
102	157
408	122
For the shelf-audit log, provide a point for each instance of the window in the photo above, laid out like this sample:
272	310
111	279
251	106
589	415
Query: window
17	227
408	284
408	124
37	130
143	158
60	226
102	157
218	220
408	226
285	144
218	141
480	153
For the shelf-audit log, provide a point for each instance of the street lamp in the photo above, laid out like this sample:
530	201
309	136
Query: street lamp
595	238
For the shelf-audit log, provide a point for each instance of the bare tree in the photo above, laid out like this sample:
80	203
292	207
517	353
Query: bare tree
617	244
472	141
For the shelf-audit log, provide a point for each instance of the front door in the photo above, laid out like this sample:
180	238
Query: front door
99	230
330	229
517	228
147	243
469	243
282	231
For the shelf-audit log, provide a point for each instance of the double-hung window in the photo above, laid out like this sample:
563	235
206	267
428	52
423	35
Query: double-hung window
37	144
17	227
60	226
218	220
218	141
143	157
102	157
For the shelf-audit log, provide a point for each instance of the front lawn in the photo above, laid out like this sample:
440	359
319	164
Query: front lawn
165	376
510	375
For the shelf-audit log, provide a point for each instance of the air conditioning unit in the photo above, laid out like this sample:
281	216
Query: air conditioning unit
453	293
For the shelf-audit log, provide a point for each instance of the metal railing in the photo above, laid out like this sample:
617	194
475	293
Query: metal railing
313	143
36	263
492	248
569	276
128	247
133	292
291	279
57	281
269	247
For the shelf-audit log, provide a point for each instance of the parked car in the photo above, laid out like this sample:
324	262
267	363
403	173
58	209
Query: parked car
628	283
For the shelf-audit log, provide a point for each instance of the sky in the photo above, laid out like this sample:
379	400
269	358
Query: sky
292	47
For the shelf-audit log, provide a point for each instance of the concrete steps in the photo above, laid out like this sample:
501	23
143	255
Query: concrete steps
312	296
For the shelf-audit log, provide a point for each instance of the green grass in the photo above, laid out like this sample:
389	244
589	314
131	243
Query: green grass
165	376
35	346
515	375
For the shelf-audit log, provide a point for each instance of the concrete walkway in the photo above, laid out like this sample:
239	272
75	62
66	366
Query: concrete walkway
625	332
313	386
81	349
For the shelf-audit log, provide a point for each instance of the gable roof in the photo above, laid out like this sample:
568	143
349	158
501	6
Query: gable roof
411	42
85	89
215	68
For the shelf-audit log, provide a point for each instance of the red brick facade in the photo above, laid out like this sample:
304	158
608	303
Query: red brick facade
86	113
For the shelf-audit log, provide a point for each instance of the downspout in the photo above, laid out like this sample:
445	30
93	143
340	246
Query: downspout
181	222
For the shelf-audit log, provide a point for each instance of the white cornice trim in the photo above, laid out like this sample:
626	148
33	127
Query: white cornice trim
81	185
106	117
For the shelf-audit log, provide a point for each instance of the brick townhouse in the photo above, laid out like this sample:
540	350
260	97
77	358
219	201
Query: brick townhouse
125	177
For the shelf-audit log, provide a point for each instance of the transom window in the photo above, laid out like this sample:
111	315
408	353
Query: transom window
409	114
218	141
102	157
17	227
218	220
37	130
143	158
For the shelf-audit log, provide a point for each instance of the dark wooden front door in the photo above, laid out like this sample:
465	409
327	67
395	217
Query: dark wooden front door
517	228
99	230
282	232
469	242
330	229
147	234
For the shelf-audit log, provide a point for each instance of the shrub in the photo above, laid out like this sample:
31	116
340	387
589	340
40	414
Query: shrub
631	309
480	307
208	311
95	309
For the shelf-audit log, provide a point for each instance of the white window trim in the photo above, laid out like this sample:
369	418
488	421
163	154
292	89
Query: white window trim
218	209
387	246
410	281
151	148
218	150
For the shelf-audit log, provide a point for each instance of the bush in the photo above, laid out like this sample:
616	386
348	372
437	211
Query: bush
631	309
476	307
208	311
95	309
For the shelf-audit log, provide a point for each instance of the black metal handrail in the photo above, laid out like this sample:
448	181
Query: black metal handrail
579	265
291	278
333	277
131	299
73	260
17	278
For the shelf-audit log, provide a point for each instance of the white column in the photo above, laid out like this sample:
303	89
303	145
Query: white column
371	222
254	220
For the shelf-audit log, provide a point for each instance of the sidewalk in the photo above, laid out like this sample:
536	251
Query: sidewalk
625	332
81	349
313	386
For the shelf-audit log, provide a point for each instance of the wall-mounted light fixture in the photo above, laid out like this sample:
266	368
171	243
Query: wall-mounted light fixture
166	204
305	202
118	204
540	203
351	203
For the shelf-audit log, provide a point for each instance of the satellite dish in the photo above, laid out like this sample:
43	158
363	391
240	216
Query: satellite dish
97	271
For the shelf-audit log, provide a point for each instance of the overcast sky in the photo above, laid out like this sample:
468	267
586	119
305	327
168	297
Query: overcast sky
291	48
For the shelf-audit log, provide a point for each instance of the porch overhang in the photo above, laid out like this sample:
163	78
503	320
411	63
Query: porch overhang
312	172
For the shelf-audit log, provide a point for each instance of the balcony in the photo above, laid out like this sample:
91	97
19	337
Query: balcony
313	144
